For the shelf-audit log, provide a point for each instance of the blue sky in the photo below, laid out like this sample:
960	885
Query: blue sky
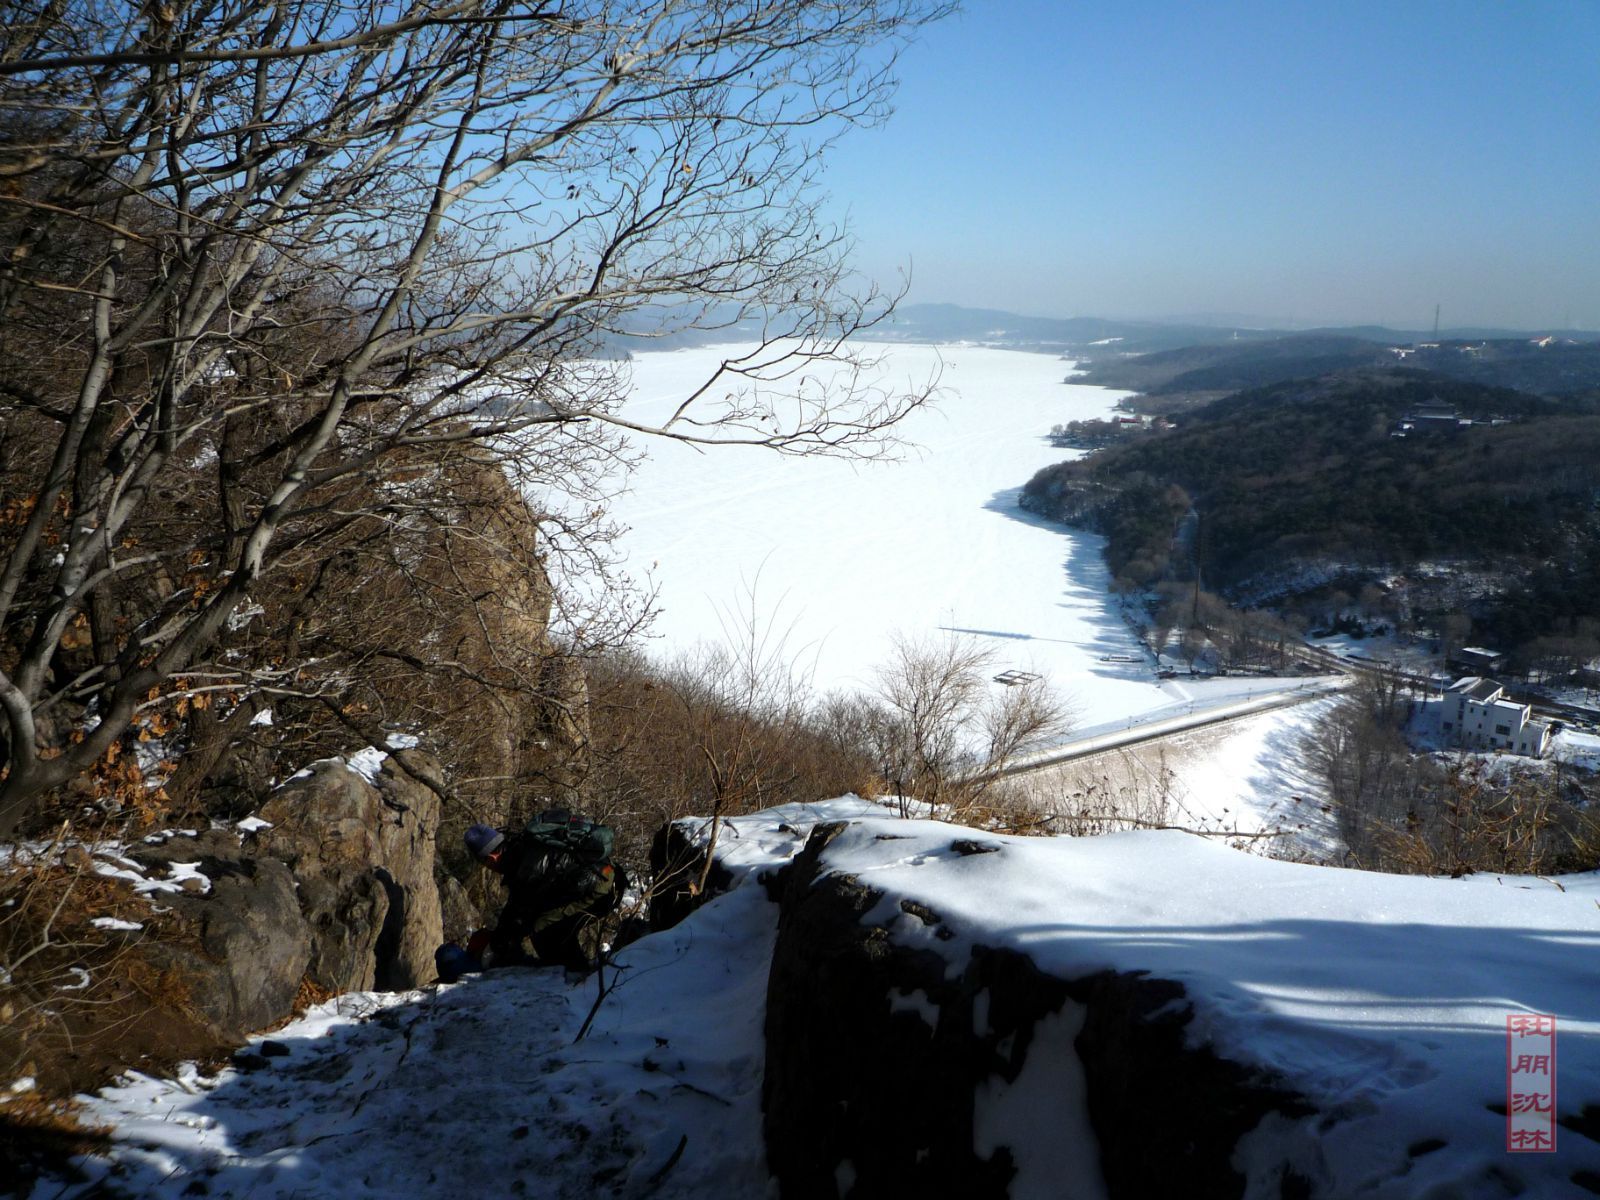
1332	162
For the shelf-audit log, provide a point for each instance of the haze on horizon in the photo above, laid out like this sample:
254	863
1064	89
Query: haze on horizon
1281	162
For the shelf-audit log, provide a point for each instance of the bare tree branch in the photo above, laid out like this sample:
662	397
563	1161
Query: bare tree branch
265	265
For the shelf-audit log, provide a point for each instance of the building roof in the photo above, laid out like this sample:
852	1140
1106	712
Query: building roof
1477	688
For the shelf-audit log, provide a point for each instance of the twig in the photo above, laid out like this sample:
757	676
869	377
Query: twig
661	1172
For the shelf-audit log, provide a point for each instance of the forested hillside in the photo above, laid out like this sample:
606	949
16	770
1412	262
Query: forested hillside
1314	471
1543	366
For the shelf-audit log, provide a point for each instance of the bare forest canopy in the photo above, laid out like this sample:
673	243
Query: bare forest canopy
299	301
1316	471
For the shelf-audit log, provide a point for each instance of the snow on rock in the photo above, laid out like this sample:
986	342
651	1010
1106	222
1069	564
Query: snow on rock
366	763
1381	1000
181	877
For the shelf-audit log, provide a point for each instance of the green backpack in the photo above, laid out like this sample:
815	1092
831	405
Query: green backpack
587	841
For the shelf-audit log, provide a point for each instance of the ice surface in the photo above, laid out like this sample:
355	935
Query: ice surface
845	556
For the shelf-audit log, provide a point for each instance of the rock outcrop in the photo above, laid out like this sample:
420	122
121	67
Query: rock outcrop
340	892
878	1048
677	869
363	855
242	954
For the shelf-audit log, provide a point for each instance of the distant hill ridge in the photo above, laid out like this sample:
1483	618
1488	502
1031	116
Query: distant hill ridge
955	322
1182	363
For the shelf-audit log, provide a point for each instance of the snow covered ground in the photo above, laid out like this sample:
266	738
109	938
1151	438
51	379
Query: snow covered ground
479	1088
1406	654
844	556
1383	998
1252	775
1577	749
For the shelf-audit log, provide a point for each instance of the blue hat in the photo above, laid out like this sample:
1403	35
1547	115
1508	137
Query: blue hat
483	840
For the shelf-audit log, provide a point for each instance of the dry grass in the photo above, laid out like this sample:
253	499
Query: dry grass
310	994
1473	822
80	1002
40	1135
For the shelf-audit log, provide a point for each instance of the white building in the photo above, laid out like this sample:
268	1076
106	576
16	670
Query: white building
1477	715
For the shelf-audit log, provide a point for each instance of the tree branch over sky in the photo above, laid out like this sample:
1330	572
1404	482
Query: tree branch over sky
265	260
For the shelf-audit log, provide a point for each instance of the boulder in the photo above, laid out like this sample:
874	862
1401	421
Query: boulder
677	866
243	947
363	853
879	1047
461	916
250	923
246	950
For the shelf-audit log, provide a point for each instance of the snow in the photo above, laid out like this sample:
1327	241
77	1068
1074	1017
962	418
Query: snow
1252	776
80	980
109	863
1576	749
1062	1163
367	762
1382	998
251	825
842	556
916	1002
116	923
179	873
1403	653
481	1085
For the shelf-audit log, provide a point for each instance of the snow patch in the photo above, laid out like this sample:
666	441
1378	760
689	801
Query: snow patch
916	1002
116	923
1042	1116
366	763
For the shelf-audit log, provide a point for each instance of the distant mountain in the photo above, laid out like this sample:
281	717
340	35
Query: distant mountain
1174	358
1104	338
1080	335
1230	366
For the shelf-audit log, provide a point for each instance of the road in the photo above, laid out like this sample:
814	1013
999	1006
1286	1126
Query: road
1191	718
1194	718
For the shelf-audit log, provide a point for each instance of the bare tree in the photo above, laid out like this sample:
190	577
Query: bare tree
944	732
267	262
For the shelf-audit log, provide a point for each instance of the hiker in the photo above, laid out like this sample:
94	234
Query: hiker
561	880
